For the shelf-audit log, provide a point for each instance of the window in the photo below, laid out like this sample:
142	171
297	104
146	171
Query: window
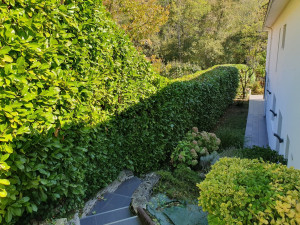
283	37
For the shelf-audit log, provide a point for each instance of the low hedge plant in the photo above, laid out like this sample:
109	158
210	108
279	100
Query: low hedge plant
255	152
79	104
244	191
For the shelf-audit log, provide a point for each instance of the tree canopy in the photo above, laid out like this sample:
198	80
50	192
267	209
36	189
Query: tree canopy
201	32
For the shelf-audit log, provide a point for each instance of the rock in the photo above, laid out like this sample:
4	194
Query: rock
62	221
142	195
75	220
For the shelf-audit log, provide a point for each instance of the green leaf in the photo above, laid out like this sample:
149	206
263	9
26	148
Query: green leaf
36	64
4	182
21	63
7	58
4	166
8	217
29	209
3	193
25	199
7	148
34	207
16	211
4	157
5	50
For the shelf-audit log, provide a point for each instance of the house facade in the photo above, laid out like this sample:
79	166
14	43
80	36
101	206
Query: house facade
282	90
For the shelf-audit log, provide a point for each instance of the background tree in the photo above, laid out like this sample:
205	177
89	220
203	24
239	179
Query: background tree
184	33
139	18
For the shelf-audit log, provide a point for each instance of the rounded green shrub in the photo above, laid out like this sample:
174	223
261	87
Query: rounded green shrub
244	191
256	152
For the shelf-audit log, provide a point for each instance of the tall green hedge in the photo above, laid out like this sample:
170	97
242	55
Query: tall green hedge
79	104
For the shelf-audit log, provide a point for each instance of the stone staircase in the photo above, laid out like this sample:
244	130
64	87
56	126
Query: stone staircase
114	209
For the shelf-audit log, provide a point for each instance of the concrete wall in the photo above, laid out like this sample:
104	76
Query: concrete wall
283	81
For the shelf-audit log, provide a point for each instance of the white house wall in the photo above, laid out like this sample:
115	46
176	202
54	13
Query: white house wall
284	82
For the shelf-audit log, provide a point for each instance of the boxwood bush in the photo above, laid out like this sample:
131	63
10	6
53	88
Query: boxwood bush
256	152
245	191
79	104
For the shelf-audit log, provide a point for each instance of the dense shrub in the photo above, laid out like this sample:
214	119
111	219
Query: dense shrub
257	88
179	184
266	154
78	104
244	191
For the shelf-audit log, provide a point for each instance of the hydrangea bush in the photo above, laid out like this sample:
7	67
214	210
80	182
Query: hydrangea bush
195	145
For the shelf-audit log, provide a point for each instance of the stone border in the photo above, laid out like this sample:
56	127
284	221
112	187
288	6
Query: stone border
124	175
143	193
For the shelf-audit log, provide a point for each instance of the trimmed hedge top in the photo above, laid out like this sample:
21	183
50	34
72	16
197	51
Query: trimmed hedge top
79	104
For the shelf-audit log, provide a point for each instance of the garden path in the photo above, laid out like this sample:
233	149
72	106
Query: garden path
114	208
256	130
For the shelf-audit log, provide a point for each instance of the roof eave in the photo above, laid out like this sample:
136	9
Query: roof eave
275	8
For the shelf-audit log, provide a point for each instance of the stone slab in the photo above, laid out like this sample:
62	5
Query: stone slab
107	217
124	175
130	221
128	187
256	130
110	201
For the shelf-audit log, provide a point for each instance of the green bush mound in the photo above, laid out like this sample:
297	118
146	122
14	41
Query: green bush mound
256	152
245	191
179	184
79	104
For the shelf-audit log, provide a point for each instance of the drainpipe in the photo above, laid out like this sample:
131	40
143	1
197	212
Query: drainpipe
267	74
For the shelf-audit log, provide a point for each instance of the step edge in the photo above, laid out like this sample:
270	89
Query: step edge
99	214
105	202
133	217
126	196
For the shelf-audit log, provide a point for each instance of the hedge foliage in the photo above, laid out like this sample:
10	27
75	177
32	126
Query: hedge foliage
245	191
256	152
79	104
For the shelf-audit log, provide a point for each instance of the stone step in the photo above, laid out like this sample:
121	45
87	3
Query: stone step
110	202
114	207
107	217
129	221
118	199
128	187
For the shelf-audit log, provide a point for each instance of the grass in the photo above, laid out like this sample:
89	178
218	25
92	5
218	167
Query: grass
232	126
